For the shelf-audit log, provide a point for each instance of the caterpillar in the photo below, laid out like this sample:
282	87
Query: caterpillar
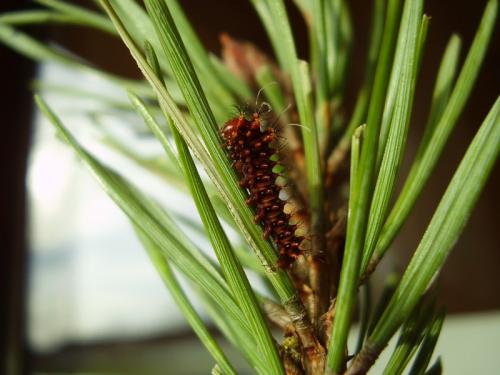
253	149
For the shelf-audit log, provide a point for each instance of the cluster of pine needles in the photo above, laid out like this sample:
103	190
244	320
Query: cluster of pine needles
342	162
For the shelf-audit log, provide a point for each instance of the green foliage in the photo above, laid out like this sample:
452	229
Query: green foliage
185	97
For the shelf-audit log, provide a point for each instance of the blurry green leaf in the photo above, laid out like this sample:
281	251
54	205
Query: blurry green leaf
212	81
30	47
155	128
398	108
412	333
361	106
436	368
442	89
427	348
444	229
427	158
395	85
263	11
163	232
85	16
194	320
234	334
33	17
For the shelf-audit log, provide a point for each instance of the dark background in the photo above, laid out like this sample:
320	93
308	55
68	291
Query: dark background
470	279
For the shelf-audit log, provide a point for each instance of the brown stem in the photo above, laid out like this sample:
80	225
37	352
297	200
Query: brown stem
319	265
363	360
319	268
291	367
319	280
313	352
327	323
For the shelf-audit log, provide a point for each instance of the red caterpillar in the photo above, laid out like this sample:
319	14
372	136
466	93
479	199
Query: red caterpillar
252	150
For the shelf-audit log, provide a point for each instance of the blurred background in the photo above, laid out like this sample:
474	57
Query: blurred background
77	292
